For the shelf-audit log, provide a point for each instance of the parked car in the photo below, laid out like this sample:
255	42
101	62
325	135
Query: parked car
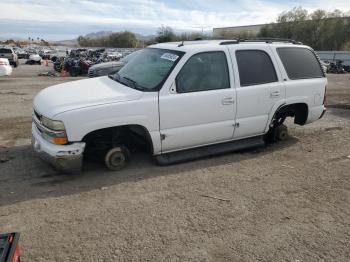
7	52
5	67
21	54
58	54
181	101
107	68
114	55
34	59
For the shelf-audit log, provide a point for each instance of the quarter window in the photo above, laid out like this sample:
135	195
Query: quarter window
300	63
203	72
255	67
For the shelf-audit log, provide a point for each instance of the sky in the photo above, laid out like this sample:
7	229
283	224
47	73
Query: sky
67	19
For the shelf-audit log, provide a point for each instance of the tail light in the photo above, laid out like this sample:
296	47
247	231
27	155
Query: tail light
2	63
325	96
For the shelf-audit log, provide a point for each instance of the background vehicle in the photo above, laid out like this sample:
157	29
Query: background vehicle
34	59
20	52
5	67
7	52
181	101
9	247
336	68
107	68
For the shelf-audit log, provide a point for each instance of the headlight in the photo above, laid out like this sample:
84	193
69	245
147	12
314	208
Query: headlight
52	124
54	132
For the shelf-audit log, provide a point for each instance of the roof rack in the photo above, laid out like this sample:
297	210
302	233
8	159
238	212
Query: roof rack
262	40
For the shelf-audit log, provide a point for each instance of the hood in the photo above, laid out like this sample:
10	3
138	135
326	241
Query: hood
106	65
82	93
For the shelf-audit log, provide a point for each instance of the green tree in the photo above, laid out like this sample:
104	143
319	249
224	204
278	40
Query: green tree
320	29
166	34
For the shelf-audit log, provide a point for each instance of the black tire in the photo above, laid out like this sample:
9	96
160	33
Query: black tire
117	158
281	133
73	72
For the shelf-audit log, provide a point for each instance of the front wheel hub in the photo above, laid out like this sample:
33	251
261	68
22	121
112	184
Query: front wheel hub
117	158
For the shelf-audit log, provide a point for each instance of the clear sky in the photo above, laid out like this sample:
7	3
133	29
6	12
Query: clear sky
66	19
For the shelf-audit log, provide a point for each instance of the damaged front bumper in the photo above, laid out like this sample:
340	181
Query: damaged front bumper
65	158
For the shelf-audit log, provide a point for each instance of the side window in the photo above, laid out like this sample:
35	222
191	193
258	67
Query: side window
202	72
300	63
255	67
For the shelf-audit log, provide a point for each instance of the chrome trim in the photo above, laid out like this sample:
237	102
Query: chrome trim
43	128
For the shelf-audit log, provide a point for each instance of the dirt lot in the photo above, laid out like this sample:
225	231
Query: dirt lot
285	202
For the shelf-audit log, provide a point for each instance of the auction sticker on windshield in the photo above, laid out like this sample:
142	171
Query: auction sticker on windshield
169	56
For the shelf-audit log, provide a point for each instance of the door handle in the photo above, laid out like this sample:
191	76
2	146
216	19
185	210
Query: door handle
227	101
275	94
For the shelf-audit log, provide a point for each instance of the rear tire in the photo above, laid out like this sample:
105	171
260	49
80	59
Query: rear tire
117	158
281	133
275	134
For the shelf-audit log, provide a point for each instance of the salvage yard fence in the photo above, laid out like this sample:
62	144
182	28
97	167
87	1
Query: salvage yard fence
333	56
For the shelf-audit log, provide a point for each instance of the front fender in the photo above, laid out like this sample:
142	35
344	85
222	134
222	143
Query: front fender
144	112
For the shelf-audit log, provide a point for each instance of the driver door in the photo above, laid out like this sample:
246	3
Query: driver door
199	108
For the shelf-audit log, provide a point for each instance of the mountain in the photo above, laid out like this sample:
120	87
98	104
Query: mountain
74	42
98	34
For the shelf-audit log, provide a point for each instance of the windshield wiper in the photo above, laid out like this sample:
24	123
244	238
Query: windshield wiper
115	77
134	84
129	82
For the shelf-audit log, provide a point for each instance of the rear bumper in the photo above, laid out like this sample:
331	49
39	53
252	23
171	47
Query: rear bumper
65	158
5	70
324	111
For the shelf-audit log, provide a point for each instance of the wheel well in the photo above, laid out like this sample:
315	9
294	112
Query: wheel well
299	111
134	137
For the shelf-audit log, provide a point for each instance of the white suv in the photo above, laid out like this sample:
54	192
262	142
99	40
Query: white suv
181	101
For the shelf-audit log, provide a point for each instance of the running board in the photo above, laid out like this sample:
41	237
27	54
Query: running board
211	150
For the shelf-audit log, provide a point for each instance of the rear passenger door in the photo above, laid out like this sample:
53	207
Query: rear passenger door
259	88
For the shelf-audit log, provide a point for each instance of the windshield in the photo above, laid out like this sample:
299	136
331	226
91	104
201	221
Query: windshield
128	57
148	69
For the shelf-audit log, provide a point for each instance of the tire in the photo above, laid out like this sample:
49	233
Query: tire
281	133
117	158
73	72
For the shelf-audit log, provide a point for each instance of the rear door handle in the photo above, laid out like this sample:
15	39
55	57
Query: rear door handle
275	94
227	101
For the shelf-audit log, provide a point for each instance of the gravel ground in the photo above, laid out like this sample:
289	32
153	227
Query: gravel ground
285	202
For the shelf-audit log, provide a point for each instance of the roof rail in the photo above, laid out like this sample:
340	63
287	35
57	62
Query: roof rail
230	42
265	40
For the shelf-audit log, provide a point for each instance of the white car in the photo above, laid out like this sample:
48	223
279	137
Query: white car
5	67
181	101
34	59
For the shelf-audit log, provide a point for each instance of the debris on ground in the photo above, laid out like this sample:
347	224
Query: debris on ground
217	198
48	73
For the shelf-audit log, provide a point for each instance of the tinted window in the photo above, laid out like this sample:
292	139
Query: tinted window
5	50
202	72
300	63
255	67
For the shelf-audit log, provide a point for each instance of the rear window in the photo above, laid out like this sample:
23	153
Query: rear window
300	63
5	51
255	67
